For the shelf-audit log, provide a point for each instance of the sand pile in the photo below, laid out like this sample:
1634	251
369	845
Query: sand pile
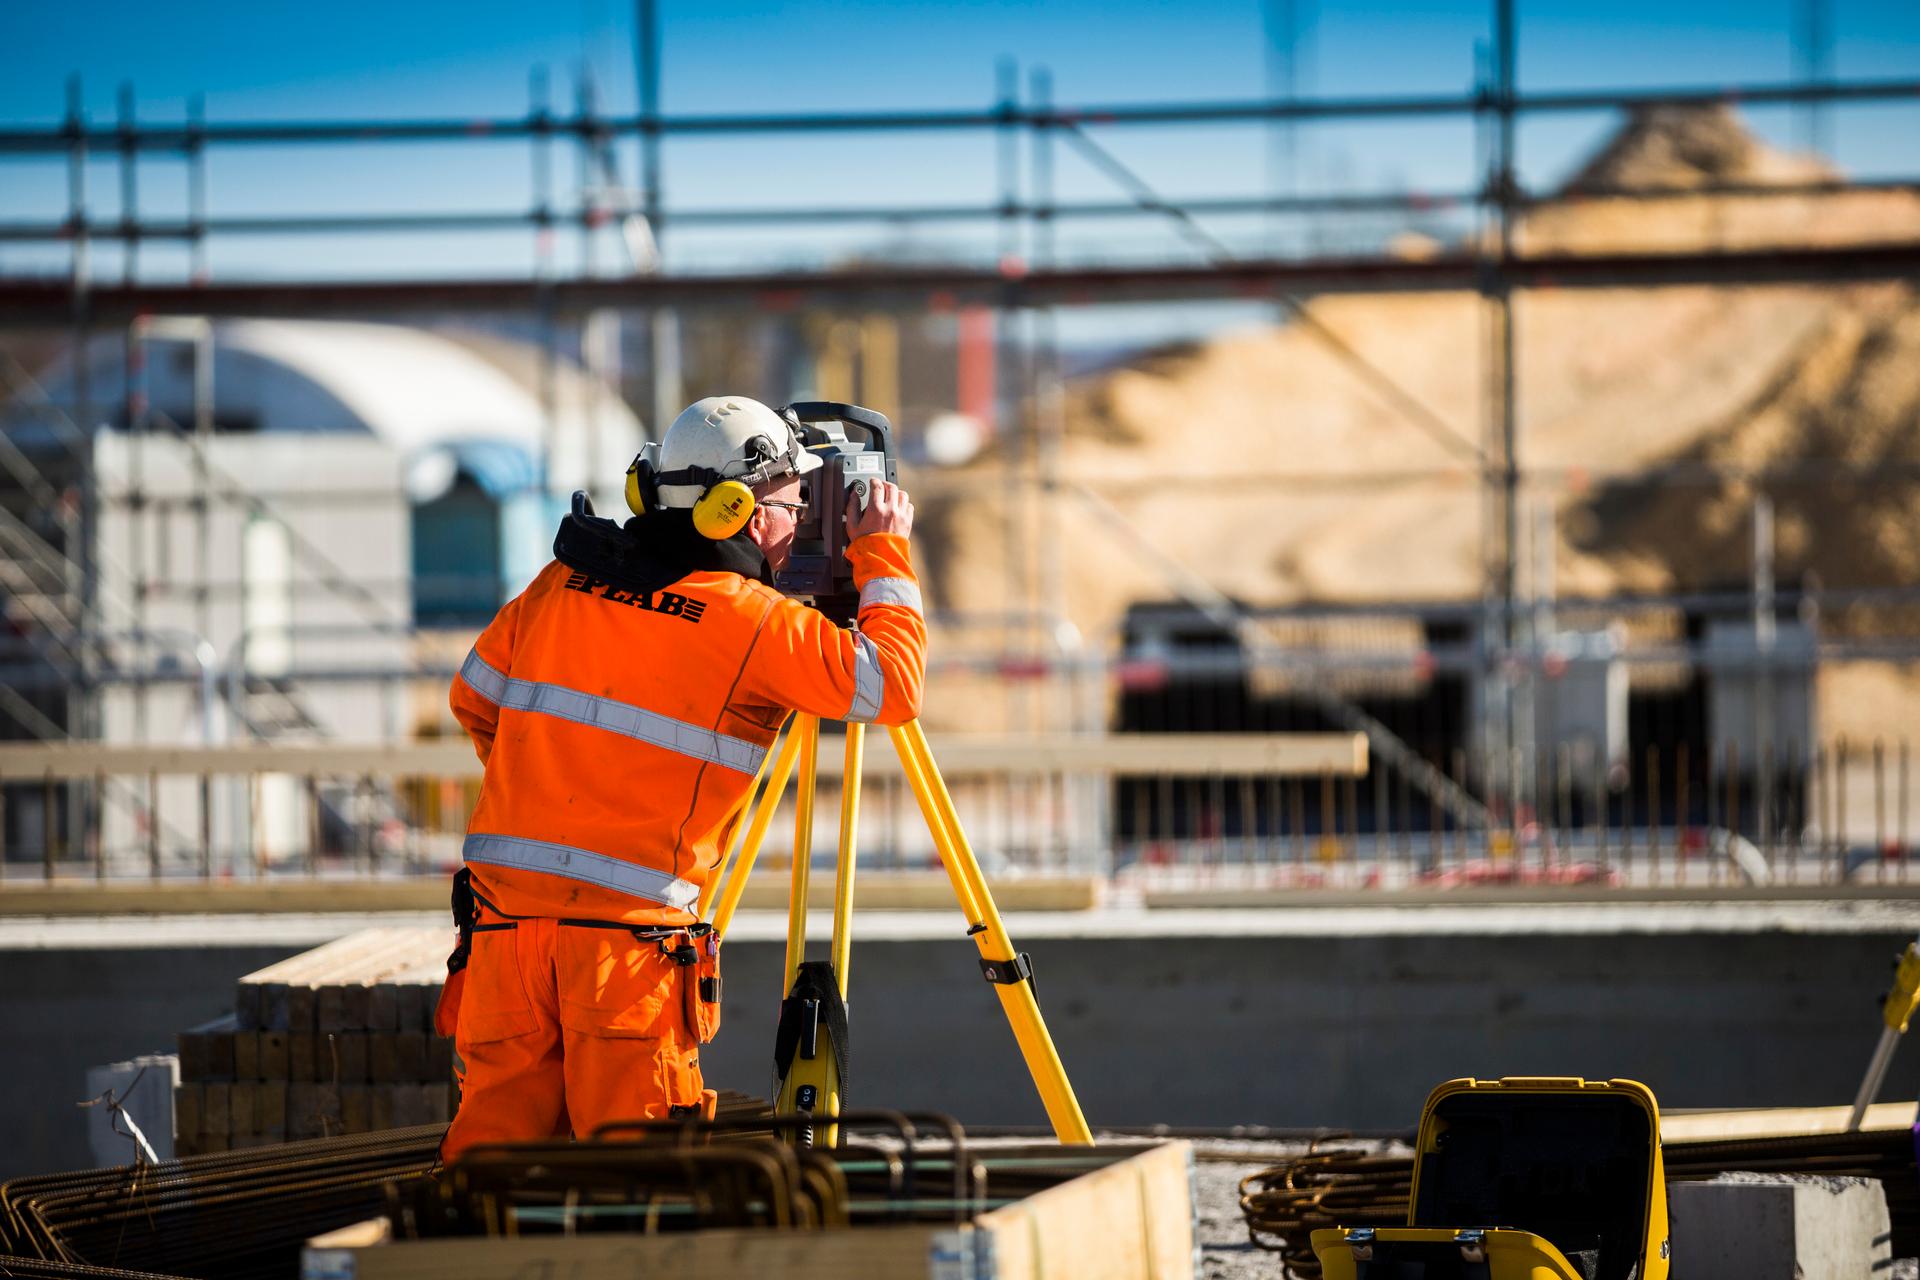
1329	500
1335	495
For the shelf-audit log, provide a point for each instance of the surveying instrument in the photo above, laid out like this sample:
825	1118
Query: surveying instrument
810	1045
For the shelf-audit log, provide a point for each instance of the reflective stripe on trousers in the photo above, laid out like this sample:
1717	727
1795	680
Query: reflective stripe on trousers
614	716
599	869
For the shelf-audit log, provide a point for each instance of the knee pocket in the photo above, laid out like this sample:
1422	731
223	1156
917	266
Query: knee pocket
493	1002
681	1082
613	985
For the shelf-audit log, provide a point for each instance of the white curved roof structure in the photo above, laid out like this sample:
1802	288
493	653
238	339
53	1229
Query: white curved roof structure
421	391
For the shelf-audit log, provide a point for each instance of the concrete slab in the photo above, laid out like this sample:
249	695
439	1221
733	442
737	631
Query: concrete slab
1770	1226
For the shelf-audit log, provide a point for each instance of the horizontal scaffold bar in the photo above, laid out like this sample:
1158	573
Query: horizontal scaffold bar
39	300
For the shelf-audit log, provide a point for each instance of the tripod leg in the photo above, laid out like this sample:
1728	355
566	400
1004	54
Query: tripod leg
990	935
720	873
810	1041
849	827
808	727
757	833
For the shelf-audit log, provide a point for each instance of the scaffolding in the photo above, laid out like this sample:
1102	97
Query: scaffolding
1024	287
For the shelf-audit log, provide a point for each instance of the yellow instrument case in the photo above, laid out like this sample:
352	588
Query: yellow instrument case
1523	1178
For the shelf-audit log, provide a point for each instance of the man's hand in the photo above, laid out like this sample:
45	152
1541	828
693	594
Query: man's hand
888	510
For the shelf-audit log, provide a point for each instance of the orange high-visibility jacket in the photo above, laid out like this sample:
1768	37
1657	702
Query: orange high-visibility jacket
621	728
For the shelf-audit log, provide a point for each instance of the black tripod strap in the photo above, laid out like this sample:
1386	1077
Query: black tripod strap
814	1005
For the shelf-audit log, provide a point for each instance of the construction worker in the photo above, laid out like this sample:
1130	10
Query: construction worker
622	705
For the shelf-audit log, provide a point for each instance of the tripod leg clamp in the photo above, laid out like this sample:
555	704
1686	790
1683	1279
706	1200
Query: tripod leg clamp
1008	972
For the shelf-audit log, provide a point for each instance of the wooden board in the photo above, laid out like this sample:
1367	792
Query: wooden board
1778	1122
1178	754
1115	1223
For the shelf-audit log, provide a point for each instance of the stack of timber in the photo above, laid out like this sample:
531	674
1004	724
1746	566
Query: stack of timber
337	1040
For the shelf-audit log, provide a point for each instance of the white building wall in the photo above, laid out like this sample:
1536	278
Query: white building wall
314	581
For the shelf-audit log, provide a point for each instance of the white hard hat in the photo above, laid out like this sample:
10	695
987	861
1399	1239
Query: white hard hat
734	438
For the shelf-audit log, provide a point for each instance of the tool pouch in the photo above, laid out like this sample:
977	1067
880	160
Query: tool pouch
446	1012
701	985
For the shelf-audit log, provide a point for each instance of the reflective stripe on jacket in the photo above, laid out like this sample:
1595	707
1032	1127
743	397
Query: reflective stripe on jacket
621	730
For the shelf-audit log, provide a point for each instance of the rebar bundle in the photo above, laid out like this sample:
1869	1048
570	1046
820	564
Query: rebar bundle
1285	1204
232	1215
36	1269
735	1172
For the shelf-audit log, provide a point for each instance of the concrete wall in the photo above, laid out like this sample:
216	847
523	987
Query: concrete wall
1274	1029
1350	1032
64	1010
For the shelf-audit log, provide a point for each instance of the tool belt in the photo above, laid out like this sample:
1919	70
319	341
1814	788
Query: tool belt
694	946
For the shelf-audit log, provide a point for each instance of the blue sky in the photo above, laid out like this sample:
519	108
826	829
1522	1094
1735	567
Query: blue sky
351	58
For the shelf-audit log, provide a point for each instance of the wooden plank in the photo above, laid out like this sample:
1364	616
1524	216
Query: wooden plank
329	1009
189	1112
270	1111
446	758
383	1058
341	1058
878	1252
247	1005
313	1111
1132	1220
246	1055
410	1105
1190	755
192	1048
275	1055
410	1058
356	1108
220	1055
380	1106
242	1108
1777	1122
206	1051
316	962
301	1056
355	998
217	1118
413	1005
300	1004
439	1059
383	1007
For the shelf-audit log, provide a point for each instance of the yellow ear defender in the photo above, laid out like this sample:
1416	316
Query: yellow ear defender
723	510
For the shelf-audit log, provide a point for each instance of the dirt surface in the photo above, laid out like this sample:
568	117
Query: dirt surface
1227	1251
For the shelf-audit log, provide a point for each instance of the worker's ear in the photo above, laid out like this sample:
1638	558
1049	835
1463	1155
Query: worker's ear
759	525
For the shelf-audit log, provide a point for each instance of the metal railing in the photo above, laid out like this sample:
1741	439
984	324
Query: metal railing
1032	802
1147	810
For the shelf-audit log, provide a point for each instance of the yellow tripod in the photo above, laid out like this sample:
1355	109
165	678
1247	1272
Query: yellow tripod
812	1081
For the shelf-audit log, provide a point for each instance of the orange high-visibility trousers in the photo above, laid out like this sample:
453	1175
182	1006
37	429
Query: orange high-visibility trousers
562	1028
